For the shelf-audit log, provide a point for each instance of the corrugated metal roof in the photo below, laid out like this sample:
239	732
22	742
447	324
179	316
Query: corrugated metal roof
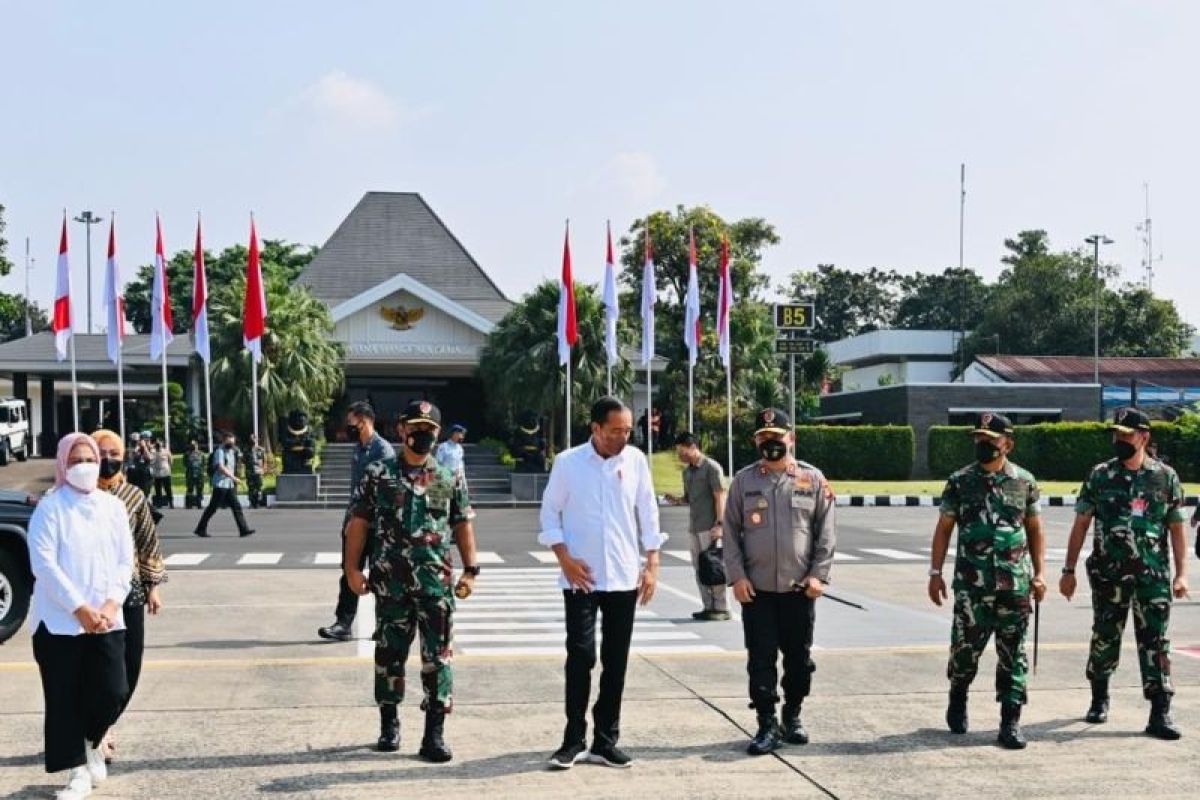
1179	372
388	233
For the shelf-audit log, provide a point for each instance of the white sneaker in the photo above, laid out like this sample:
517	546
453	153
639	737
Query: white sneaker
79	785
95	764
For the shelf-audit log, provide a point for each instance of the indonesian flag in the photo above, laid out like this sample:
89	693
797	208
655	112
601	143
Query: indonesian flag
200	301
724	303
61	325
254	309
648	294
160	300
567	331
611	311
113	301
691	323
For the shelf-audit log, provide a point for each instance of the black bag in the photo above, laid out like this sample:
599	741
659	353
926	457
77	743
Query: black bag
712	565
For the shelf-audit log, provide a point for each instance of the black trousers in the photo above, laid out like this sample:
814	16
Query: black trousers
777	623
347	603
135	647
616	611
163	493
83	685
228	499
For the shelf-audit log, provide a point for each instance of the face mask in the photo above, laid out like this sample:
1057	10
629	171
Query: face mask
109	467
84	476
353	432
229	445
772	449
1124	450
421	442
986	452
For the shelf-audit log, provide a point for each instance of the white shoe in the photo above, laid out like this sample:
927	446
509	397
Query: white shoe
95	764
79	785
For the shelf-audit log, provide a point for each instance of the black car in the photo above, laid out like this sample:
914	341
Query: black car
16	578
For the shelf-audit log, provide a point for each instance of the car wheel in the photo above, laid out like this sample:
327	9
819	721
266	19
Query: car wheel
23	453
15	587
4	453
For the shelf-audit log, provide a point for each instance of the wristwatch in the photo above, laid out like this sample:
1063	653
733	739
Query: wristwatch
472	570
1068	570
935	573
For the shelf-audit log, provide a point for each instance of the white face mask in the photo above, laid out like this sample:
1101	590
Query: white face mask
84	476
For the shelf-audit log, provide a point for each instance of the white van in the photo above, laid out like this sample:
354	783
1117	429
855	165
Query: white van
14	430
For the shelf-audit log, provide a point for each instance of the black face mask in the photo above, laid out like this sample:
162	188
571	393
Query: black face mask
986	452
229	445
109	467
420	442
1124	450
353	432
772	449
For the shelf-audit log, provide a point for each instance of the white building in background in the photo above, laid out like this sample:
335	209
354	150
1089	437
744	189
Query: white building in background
893	357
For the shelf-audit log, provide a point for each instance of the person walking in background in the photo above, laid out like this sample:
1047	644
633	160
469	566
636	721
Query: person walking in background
160	470
81	555
137	463
369	447
704	494
194	461
450	452
149	571
255	459
223	471
598	506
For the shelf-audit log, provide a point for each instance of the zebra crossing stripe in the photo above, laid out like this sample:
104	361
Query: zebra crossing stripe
328	558
839	556
186	559
682	555
544	556
896	555
259	559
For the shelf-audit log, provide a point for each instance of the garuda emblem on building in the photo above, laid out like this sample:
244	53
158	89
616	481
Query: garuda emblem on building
402	318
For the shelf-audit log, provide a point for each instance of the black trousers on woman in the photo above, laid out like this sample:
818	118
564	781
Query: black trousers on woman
616	611
135	645
83	684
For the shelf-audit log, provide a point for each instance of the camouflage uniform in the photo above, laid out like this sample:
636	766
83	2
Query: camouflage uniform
1129	565
254	456
415	510
992	573
194	462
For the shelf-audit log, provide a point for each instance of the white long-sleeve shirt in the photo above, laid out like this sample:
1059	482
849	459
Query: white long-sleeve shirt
81	552
595	506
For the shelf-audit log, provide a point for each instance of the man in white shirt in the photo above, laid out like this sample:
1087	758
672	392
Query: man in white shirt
598	497
450	452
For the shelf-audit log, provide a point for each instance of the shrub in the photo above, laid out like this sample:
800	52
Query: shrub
857	452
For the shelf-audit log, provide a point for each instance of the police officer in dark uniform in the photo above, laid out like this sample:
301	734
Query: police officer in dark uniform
779	534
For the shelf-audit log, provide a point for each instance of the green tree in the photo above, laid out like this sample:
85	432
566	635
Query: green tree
752	335
953	300
12	317
1136	323
519	364
301	364
5	264
279	259
848	302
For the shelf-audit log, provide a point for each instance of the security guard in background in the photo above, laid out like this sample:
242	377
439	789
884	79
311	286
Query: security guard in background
421	508
779	534
998	565
256	466
194	463
1137	504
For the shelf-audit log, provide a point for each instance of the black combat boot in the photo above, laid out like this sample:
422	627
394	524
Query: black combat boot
793	728
1161	726
768	738
389	729
1010	736
433	747
1098	711
956	712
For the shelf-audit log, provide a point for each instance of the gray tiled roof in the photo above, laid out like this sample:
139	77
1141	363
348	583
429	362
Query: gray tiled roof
389	233
91	351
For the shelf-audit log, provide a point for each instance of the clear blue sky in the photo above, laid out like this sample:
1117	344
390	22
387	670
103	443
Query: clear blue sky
843	124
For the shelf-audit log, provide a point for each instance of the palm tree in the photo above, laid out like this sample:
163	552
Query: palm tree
301	365
519	364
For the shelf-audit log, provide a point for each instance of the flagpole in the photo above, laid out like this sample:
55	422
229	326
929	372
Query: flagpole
729	409
649	409
74	384
691	401
121	392
166	397
567	426
208	404
610	380
254	391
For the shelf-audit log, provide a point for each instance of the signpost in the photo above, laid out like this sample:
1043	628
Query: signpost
793	318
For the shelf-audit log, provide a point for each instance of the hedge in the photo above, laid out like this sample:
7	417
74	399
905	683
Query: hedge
1064	451
858	452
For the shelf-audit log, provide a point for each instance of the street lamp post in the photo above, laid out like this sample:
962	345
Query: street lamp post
89	219
1096	239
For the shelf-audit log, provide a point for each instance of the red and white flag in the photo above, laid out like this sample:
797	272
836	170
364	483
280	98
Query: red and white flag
114	302
648	297
724	303
61	325
567	329
691	322
611	309
200	301
160	299
254	308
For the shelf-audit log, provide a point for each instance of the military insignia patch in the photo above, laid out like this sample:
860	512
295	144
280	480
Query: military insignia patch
762	503
755	518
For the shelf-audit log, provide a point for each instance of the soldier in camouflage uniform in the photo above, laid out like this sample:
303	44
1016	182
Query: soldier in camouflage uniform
194	464
419	507
256	467
1137	503
997	567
